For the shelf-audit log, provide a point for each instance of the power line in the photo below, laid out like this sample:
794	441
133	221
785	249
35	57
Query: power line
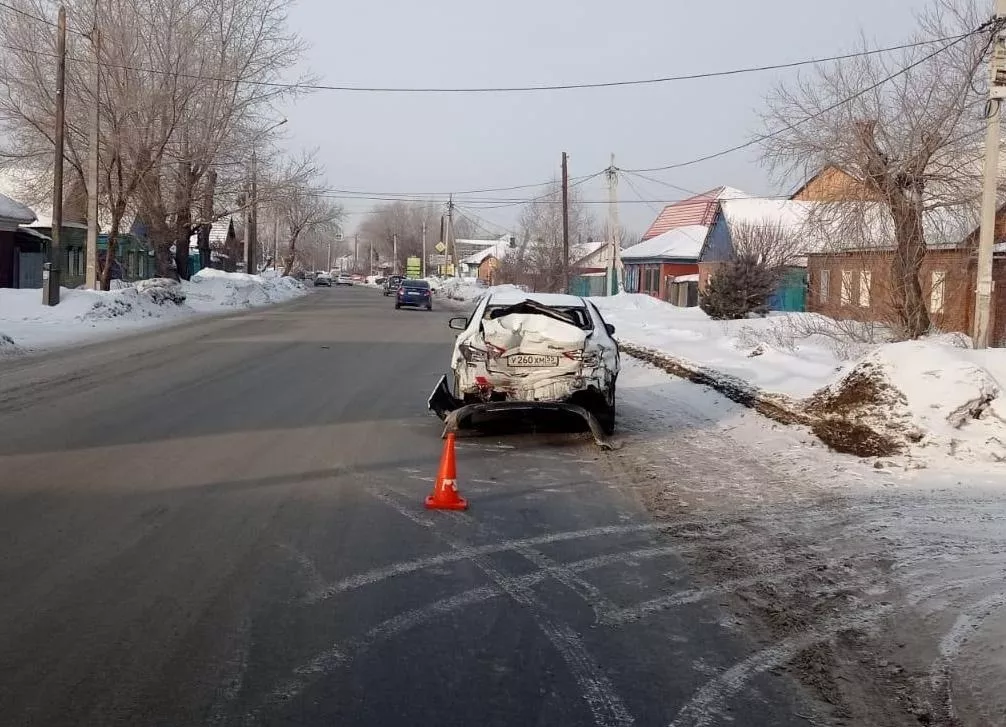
38	18
815	115
501	89
661	182
639	194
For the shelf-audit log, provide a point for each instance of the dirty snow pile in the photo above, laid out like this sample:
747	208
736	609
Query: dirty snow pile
930	397
210	290
26	325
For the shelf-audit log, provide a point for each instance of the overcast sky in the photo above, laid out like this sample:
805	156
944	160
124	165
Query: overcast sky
438	143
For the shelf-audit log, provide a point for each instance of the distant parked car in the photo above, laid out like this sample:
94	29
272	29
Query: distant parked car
392	283
323	279
344	279
414	293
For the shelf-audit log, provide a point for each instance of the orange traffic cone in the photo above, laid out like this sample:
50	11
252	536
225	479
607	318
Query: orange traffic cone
445	491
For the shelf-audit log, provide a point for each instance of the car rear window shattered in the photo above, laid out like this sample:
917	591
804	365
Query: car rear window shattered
573	316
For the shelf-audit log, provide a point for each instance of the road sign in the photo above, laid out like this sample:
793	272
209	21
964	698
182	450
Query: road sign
436	260
441	248
413	267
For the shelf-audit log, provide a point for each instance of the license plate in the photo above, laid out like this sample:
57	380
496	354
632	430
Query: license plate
532	359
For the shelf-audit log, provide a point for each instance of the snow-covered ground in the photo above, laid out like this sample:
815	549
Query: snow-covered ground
936	399
27	326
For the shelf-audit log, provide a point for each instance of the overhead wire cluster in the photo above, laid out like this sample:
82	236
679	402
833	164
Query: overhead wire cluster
477	199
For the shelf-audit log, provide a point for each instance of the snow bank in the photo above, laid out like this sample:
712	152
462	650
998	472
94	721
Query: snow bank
930	398
768	352
210	290
26	325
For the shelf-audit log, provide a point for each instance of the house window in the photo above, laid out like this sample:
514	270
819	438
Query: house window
824	291
846	287
937	292
865	278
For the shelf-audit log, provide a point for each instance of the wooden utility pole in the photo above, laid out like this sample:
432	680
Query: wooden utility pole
455	263
394	254
205	254
424	248
565	223
91	253
356	253
982	328
51	276
251	234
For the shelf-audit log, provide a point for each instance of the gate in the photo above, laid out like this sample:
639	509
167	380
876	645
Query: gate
30	269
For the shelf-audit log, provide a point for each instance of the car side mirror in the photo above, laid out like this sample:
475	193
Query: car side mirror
458	324
610	329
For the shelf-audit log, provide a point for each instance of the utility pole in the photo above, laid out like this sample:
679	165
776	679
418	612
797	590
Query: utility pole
614	254
450	235
51	278
394	254
275	238
251	234
565	223
356	252
424	248
203	238
981	332
371	257
329	268
91	253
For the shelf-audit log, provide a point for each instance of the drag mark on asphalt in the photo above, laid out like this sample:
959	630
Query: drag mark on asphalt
597	690
469	552
560	572
709	700
955	639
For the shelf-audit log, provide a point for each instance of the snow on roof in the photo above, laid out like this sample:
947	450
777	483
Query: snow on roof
34	233
558	300
697	210
497	250
13	211
679	243
219	231
584	250
693	278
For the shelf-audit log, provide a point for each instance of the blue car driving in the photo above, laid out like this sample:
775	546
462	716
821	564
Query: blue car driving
415	293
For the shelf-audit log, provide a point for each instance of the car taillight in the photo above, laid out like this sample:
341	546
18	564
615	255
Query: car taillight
588	358
472	354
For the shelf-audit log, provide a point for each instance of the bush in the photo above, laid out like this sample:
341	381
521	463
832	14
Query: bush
738	288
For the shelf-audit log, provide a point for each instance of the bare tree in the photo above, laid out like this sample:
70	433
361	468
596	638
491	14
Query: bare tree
538	261
405	220
905	127
304	210
184	87
772	245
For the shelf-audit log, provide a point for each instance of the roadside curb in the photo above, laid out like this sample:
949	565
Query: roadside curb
838	433
774	406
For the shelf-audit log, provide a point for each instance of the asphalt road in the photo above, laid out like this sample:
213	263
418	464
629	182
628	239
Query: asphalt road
222	523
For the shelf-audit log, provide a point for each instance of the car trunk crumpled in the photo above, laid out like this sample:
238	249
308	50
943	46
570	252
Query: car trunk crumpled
533	354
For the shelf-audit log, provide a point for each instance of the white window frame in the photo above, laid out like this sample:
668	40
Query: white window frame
865	283
938	291
824	287
846	287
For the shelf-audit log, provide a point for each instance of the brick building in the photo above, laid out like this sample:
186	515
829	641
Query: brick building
855	285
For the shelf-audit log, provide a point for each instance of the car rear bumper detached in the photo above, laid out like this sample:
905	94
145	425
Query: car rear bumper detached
457	415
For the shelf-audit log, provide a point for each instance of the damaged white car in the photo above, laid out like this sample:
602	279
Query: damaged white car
531	351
